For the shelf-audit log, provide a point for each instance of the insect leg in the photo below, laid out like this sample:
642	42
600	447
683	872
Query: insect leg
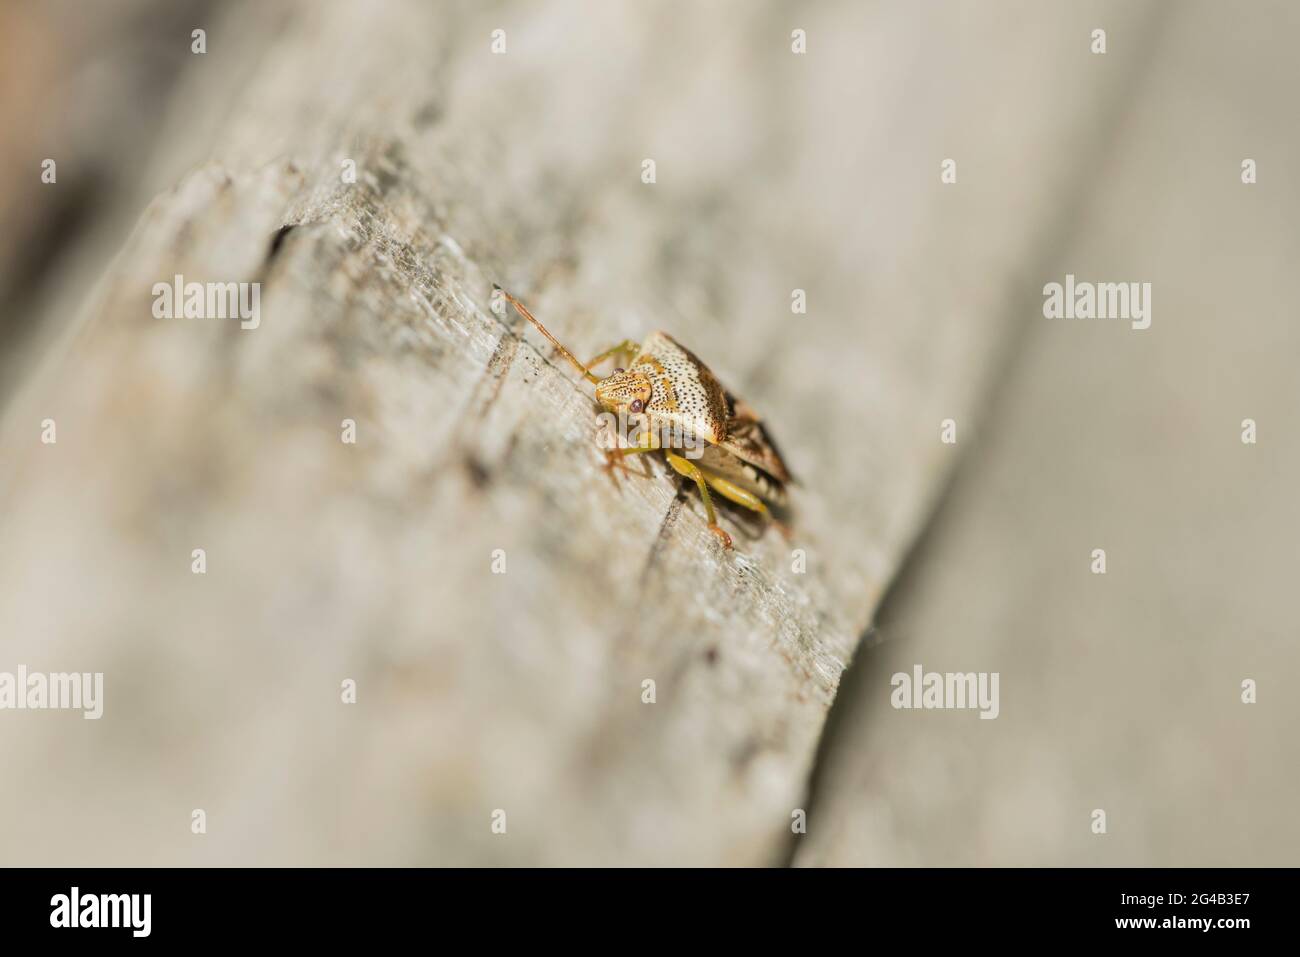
615	456
692	471
625	348
733	492
633	450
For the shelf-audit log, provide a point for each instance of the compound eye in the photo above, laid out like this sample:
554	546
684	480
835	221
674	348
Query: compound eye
618	370
637	405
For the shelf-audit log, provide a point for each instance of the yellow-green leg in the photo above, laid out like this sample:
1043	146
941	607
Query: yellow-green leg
733	492
614	456
625	348
692	471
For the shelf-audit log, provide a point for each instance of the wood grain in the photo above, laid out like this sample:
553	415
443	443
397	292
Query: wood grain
326	561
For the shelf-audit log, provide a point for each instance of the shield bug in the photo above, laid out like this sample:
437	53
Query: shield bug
706	434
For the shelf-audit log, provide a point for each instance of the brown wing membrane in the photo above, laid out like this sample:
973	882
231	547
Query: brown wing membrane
747	439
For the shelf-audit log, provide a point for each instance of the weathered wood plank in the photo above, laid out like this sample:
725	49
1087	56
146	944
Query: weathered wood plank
326	561
1120	692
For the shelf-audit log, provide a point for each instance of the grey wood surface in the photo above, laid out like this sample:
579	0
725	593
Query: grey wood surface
1120	692
373	561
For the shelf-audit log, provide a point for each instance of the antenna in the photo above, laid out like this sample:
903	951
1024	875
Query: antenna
590	376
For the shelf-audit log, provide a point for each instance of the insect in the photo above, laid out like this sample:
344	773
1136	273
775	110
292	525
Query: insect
683	407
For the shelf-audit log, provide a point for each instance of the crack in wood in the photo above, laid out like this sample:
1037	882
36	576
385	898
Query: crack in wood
665	531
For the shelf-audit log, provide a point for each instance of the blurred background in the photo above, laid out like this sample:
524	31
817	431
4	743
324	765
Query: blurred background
777	170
